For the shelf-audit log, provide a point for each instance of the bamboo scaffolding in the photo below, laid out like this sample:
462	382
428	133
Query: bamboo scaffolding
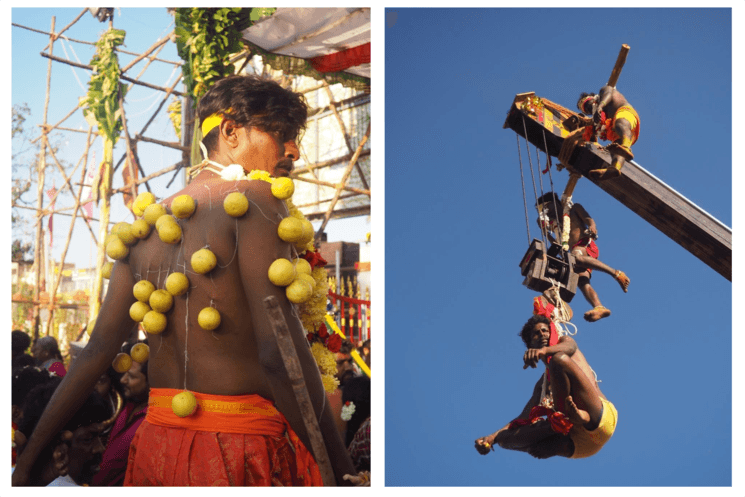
344	180
343	129
334	185
57	280
120	50
329	162
125	78
40	193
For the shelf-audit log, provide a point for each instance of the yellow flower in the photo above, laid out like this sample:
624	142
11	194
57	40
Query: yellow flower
330	383
261	175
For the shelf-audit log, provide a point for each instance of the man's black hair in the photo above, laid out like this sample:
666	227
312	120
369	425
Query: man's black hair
25	379
346	347
254	101
94	410
582	96
20	341
548	197
528	327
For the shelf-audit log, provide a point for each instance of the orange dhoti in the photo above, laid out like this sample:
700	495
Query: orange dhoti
229	441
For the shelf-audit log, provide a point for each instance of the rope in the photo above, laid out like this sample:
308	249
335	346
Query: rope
532	175
522	180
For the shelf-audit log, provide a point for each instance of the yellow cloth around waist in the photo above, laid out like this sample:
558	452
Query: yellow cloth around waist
248	414
588	443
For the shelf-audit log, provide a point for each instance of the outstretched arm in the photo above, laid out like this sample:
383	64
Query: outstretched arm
113	325
259	246
604	97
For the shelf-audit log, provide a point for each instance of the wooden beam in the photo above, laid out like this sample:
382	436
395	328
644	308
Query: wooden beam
659	204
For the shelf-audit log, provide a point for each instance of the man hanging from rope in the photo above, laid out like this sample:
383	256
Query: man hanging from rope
582	232
619	124
579	419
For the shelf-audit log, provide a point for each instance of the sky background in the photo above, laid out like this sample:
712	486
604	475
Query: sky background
456	231
29	74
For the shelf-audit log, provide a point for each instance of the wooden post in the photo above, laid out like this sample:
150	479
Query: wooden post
295	374
620	61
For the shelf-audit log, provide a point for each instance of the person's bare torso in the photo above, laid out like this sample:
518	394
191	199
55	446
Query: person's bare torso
579	358
617	101
576	228
224	361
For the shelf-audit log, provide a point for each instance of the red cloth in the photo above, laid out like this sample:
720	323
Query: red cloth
338	61
56	367
114	462
242	441
559	422
590	247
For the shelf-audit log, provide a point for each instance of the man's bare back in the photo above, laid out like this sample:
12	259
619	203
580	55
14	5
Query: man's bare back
224	361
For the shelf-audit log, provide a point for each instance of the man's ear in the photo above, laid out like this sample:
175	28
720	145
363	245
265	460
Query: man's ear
228	129
66	436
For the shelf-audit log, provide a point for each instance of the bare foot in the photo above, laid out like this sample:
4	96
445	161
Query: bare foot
597	313
622	280
574	413
604	174
484	445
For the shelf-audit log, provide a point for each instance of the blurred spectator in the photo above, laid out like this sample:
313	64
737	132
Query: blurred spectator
110	388
364	351
136	390
46	352
24	379
356	396
74	458
359	449
19	344
344	368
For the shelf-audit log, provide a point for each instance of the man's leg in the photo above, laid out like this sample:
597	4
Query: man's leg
568	380
592	263
523	438
619	149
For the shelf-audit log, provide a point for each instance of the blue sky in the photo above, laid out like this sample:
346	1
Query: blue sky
456	230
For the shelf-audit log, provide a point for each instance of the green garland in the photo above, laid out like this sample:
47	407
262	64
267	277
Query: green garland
102	101
205	40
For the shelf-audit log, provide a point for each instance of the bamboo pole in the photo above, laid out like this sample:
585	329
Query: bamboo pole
154	175
40	197
343	181
620	61
55	286
131	150
120	50
125	78
147	52
327	163
296	379
343	129
54	36
333	185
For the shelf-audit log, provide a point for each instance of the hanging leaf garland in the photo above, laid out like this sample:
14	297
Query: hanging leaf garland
102	102
205	40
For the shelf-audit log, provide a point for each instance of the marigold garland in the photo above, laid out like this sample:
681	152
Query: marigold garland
313	310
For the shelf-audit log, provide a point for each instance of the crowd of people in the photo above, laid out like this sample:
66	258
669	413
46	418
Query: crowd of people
93	447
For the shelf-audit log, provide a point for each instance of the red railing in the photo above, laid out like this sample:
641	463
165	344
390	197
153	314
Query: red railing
354	317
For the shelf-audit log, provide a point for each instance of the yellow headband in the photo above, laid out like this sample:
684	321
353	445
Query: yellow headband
211	122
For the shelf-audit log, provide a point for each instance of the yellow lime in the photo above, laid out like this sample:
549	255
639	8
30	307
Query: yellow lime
138	310
307	232
154	322
283	188
164	219
122	363
169	232
141	202
235	204
109	237
161	301
281	272
183	206
140	352
140	228
209	318
306	277
184	404
302	266
290	229
203	260
106	269
177	284
125	234
153	212
116	249
142	290
299	291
